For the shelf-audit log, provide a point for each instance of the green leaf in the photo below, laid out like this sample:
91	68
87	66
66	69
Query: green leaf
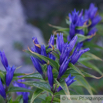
13	101
42	85
18	89
92	66
76	69
2	76
64	87
33	76
19	74
36	94
61	29
58	27
60	93
81	81
49	98
82	37
15	77
84	83
56	54
89	56
18	97
46	59
90	75
88	44
84	26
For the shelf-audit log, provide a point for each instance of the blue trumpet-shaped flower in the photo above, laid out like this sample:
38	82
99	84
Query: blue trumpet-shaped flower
77	53
9	70
40	49
63	68
4	59
60	42
51	56
91	33
36	65
76	19
25	95
43	50
9	74
69	80
2	90
66	57
67	48
50	75
51	40
36	47
91	14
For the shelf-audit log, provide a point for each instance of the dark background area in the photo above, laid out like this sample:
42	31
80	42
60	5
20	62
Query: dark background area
42	12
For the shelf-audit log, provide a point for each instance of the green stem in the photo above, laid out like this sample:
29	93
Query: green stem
52	99
53	93
6	100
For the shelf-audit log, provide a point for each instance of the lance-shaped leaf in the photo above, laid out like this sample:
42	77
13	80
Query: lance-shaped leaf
64	87
84	83
82	37
18	89
46	59
33	76
89	56
76	69
36	94
42	85
92	45
92	66
2	76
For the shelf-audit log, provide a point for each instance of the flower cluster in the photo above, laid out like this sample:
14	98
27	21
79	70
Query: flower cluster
76	19
9	74
90	19
64	50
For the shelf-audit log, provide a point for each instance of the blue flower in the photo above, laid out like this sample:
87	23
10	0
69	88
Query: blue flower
50	75
36	65
69	80
51	40
66	57
36	47
51	56
25	95
9	74
4	59
40	49
91	14
67	48
60	42
77	53
2	90
91	33
63	68
9	70
43	50
76	19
